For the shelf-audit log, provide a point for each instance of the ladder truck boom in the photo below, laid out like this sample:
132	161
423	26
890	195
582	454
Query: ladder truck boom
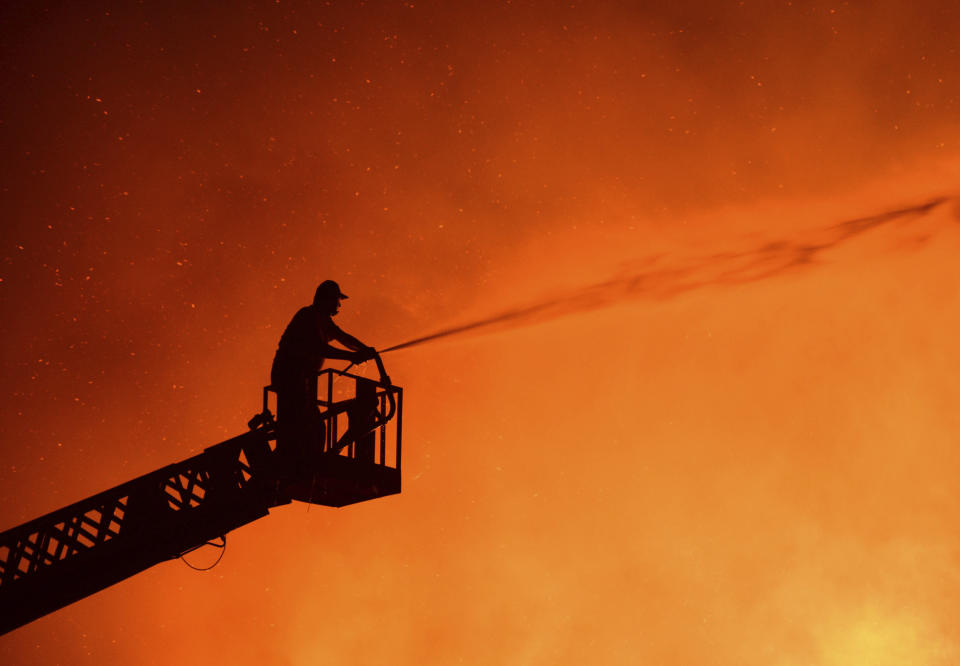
352	455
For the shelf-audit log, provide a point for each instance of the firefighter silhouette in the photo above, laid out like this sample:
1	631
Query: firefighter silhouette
303	348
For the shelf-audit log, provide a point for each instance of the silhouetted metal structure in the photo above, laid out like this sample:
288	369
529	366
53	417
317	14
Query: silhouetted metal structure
68	554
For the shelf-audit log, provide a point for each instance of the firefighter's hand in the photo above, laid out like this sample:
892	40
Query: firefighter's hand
363	355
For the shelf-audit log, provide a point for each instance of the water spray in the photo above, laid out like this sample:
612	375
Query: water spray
724	269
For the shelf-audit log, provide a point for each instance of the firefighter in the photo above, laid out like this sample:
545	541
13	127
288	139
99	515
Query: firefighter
303	348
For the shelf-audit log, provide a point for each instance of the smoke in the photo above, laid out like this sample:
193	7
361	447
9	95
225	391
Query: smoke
762	262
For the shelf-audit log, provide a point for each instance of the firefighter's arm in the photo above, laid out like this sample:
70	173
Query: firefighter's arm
349	341
358	356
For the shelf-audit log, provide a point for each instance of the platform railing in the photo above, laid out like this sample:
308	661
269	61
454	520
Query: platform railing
338	394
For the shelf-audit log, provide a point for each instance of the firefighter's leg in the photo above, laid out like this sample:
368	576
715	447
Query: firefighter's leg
295	423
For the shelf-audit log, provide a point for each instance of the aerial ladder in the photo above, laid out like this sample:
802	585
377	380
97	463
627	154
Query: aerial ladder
350	455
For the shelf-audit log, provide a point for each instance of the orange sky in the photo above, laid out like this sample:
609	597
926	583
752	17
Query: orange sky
759	473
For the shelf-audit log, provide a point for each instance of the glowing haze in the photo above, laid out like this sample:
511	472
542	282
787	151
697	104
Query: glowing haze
738	446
